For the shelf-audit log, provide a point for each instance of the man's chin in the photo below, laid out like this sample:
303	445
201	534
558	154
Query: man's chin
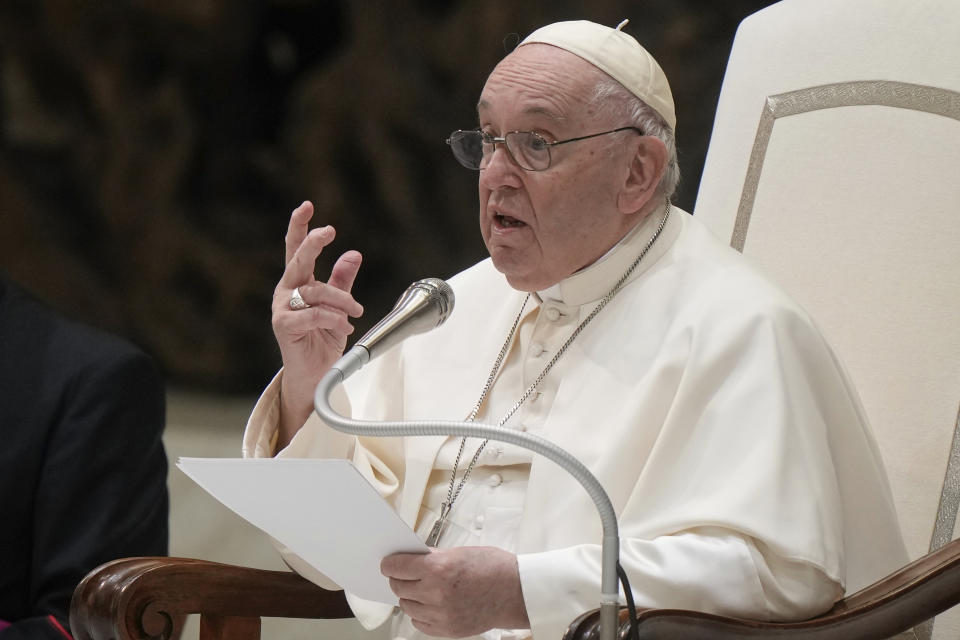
522	281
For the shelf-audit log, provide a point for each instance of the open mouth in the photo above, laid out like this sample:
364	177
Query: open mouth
507	221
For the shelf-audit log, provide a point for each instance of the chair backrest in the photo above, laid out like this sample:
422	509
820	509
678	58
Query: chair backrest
834	164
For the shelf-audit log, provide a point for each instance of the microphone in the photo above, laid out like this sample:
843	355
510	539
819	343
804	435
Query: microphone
425	305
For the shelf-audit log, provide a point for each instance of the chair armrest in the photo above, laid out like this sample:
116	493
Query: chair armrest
139	598
905	598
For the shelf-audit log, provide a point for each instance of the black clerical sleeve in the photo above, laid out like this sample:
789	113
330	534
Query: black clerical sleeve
83	471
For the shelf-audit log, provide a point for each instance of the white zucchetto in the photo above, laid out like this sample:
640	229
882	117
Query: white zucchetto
617	54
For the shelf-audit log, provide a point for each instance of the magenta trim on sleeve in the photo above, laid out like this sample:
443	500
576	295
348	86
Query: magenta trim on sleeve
59	627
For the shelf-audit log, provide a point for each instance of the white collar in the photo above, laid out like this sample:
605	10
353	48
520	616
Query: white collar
595	280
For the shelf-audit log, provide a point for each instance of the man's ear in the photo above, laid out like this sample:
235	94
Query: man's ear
643	175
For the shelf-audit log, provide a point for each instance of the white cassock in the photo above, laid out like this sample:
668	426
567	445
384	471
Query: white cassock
707	403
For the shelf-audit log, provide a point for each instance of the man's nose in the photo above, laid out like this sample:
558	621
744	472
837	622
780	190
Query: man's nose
501	170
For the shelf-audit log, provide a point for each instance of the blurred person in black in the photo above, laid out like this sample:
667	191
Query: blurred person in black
82	466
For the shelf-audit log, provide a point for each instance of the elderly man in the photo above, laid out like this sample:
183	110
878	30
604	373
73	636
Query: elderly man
608	321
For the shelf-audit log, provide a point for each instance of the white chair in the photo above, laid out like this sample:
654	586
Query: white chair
834	164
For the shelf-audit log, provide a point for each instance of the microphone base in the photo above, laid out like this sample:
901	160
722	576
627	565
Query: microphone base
609	620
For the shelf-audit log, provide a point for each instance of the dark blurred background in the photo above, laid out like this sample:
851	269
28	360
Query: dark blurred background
152	150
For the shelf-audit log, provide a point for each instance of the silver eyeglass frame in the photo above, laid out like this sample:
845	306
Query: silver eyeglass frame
486	138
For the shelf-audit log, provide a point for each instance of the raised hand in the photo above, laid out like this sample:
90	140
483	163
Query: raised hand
458	592
311	338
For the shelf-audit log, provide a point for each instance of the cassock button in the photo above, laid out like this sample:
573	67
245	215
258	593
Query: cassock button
536	349
495	480
553	314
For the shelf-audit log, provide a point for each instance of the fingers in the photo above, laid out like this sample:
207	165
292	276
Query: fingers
297	229
330	304
318	294
301	265
427	628
303	321
410	590
304	246
345	271
405	566
420	613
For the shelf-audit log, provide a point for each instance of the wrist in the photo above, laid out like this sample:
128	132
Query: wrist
515	613
293	413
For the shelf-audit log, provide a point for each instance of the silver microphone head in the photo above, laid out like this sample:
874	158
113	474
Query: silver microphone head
439	293
425	305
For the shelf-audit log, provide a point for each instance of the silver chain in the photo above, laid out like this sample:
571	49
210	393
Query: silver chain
454	493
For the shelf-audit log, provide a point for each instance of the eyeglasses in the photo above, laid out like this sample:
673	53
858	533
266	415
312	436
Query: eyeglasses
531	151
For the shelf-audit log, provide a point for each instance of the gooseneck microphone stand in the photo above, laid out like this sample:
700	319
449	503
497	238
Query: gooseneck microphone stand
358	356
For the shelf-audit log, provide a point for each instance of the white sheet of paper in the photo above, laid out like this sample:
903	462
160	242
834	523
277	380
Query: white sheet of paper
325	511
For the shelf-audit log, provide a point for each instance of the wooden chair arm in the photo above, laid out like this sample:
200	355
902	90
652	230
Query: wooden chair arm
902	600
140	598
